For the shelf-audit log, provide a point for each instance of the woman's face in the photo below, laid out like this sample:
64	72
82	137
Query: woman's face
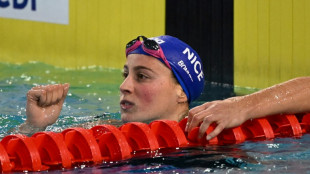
149	90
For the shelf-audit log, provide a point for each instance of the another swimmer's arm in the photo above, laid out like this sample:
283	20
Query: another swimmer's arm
44	104
288	97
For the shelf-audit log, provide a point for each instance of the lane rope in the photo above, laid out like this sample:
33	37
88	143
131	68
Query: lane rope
73	146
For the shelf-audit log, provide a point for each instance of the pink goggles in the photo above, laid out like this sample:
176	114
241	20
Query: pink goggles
149	46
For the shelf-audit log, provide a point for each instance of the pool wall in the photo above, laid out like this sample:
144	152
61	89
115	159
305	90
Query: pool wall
96	33
271	41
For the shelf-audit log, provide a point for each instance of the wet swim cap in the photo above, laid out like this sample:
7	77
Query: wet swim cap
185	63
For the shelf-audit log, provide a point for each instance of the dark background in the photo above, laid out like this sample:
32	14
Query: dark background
207	26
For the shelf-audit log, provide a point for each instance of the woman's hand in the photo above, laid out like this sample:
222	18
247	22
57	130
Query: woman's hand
225	113
288	97
44	105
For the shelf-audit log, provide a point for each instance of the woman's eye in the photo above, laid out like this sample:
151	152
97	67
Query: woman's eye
125	74
141	76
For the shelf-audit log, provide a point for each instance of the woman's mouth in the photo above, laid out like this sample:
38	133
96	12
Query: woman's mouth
125	104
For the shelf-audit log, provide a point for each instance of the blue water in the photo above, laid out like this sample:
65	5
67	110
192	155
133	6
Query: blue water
94	95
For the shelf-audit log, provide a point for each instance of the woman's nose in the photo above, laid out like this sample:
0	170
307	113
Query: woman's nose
127	85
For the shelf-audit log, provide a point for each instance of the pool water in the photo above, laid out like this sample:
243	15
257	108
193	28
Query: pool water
94	94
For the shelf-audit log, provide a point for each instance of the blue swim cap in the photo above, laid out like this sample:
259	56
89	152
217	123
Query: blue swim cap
185	63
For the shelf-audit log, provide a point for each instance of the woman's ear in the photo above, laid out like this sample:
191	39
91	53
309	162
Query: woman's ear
182	98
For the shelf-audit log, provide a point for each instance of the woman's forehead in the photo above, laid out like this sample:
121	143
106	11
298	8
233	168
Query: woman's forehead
134	60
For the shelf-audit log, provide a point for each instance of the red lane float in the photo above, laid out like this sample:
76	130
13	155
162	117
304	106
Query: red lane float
23	153
74	146
5	164
82	145
305	123
168	134
285	126
53	149
112	143
139	136
258	129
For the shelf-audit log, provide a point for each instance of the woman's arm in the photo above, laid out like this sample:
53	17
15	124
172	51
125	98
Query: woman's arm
292	96
44	104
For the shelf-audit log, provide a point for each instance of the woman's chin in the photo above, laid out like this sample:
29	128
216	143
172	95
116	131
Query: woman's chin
126	117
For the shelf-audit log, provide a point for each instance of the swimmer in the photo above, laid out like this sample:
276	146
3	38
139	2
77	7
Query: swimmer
290	97
162	76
